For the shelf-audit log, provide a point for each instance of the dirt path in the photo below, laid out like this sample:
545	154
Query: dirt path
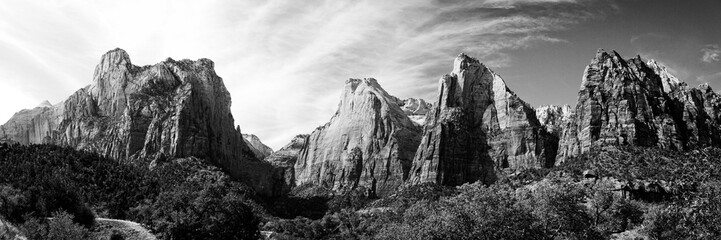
130	230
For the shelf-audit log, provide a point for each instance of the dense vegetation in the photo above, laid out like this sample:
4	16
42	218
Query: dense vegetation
559	203
188	199
182	199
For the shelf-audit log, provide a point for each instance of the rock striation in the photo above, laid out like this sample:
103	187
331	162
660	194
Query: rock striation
632	102
554	117
172	109
285	159
368	143
258	148
32	126
477	127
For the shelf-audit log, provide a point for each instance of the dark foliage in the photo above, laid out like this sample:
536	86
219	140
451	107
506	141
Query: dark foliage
182	199
628	163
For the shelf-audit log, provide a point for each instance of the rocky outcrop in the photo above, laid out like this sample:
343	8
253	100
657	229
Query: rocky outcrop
631	102
171	109
368	143
285	159
476	127
554	117
416	109
32	126
260	150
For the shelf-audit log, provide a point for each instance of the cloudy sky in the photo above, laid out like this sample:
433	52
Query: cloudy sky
285	62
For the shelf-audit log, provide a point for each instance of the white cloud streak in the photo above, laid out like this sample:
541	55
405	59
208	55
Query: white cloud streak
711	53
284	62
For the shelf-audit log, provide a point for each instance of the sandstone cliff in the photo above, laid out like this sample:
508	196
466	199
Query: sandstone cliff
554	117
476	127
369	143
167	110
32	126
258	148
630	102
285	159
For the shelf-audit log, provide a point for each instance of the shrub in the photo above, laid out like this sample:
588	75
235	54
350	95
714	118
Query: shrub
61	227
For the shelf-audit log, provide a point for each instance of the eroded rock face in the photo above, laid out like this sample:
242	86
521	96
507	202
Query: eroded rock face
554	117
479	126
172	109
260	150
630	102
32	126
369	143
285	159
416	109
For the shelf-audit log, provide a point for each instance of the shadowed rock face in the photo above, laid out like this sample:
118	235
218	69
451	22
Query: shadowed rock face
630	102
369	143
260	150
168	110
479	126
286	157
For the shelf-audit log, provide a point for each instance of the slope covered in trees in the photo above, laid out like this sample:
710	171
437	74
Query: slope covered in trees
181	199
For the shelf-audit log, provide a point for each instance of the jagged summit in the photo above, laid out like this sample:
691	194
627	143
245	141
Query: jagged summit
632	102
369	142
152	113
463	62
476	127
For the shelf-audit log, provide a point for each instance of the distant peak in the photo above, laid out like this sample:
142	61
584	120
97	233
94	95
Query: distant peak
45	104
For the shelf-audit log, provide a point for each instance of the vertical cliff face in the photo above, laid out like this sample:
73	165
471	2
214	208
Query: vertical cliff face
258	148
476	127
285	159
369	143
171	109
630	102
32	126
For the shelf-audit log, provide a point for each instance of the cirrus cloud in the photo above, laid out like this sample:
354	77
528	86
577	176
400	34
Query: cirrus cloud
711	53
283	61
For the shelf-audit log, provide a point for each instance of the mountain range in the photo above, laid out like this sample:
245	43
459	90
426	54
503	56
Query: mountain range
477	129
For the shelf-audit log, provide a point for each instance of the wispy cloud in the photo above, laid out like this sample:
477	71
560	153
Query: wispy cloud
711	53
716	77
284	62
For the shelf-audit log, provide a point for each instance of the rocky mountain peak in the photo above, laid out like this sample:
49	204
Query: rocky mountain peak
554	117
479	126
260	150
368	143
44	104
669	81
465	62
151	113
353	83
415	108
116	58
632	102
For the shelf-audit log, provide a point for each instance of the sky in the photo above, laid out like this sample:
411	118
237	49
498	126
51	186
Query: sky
285	61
